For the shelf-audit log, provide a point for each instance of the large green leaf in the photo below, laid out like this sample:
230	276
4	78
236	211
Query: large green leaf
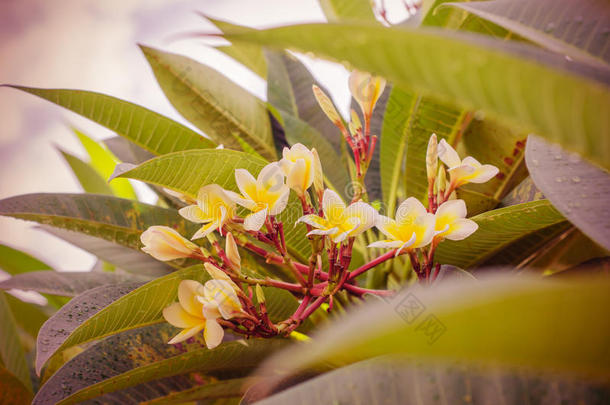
577	188
213	103
497	229
30	317
251	56
289	89
402	380
11	352
113	219
497	320
575	28
14	261
345	10
59	327
67	284
233	387
128	259
505	79
231	356
145	128
187	171
12	389
132	353
89	179
103	161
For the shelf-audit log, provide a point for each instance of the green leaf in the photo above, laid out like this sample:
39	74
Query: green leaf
213	103
13	390
566	102
113	219
66	284
128	259
14	261
127	151
90	180
103	161
145	128
251	56
400	380
30	317
53	334
289	89
11	352
578	189
186	172
228	357
493	321
221	389
497	229
346	10
569	27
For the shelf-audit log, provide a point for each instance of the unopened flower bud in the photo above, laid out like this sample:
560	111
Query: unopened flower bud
432	158
260	295
164	243
218	274
327	106
232	253
318	174
355	126
440	185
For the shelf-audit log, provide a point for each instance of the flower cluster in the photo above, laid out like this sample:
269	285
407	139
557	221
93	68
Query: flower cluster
226	301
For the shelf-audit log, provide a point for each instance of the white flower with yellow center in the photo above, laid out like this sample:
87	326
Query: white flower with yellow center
199	307
164	243
298	165
468	170
413	227
214	208
366	90
451	221
265	195
340	222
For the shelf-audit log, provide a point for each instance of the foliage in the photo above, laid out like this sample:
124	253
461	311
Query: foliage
446	241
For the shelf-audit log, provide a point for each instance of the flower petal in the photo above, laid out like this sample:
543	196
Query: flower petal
386	244
271	178
329	231
424	228
210	309
364	213
213	334
188	290
246	183
223	294
194	214
461	229
178	317
280	204
407	244
386	226
470	161
314	220
452	209
409	210
255	221
484	174
296	179
186	334
332	205
205	230
448	155
218	274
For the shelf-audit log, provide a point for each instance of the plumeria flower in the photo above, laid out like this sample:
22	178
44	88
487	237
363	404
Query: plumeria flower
164	243
413	227
340	222
468	170
366	90
265	195
298	165
214	208
451	221
198	307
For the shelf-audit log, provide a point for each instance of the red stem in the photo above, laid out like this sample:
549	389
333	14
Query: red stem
371	264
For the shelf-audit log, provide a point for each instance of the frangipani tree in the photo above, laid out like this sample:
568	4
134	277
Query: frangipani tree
310	252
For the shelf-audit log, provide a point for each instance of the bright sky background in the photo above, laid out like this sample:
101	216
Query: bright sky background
91	44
